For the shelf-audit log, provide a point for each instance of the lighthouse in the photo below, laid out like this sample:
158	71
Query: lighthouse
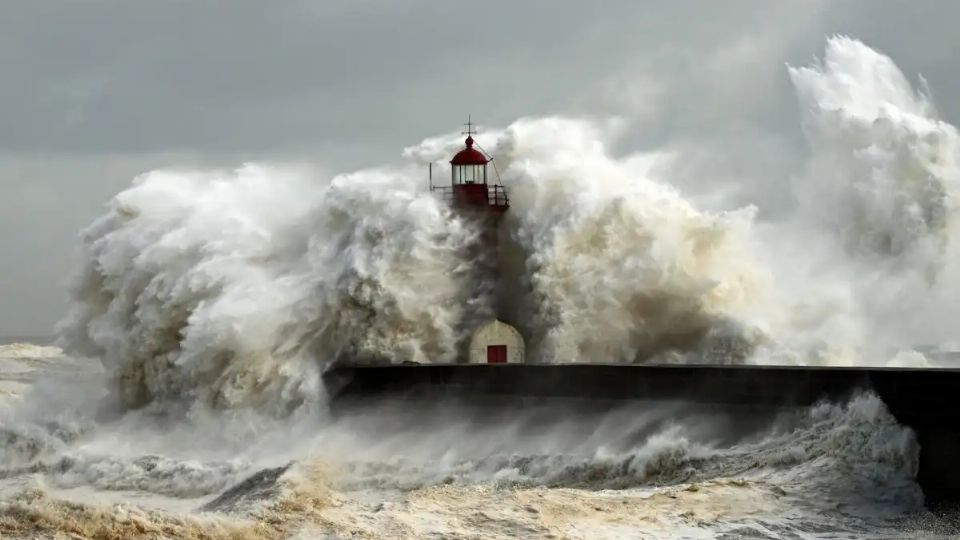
476	194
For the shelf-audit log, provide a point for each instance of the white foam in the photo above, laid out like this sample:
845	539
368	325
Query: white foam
29	350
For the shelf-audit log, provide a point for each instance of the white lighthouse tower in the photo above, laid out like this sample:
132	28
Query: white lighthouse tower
484	203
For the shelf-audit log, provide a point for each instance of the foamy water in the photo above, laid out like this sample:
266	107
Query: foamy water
641	471
189	403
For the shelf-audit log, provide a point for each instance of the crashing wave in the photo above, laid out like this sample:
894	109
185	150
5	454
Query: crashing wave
884	170
235	289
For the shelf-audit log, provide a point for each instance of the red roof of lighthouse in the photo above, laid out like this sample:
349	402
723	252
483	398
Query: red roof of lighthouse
469	156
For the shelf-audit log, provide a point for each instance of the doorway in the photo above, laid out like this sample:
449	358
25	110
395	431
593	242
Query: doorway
496	354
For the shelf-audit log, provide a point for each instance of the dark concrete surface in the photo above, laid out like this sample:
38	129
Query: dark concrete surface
926	400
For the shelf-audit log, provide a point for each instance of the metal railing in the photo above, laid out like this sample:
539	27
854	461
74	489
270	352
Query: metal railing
496	195
444	192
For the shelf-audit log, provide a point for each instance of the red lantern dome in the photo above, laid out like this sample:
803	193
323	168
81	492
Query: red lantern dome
469	155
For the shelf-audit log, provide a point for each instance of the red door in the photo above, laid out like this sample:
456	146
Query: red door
496	354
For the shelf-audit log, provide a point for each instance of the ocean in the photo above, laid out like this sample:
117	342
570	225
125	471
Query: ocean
665	470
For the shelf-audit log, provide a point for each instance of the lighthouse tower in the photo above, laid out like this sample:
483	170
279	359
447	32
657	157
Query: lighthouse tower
479	197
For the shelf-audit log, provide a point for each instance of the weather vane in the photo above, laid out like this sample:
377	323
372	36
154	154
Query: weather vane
469	124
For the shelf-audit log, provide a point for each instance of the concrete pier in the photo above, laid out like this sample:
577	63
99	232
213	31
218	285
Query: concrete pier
923	399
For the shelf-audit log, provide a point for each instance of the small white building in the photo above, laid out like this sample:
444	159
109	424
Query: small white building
496	342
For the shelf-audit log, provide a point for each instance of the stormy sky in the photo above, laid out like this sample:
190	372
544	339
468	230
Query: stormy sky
95	92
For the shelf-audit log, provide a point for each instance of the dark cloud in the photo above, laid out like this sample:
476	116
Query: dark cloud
94	92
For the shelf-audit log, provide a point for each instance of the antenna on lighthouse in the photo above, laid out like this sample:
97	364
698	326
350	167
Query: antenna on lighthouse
469	124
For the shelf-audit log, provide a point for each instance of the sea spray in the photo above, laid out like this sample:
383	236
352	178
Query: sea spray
884	168
877	210
234	289
617	265
625	268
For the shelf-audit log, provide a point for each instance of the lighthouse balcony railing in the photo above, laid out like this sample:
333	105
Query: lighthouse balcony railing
496	195
443	192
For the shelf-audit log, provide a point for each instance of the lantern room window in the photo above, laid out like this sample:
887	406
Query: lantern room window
469	174
469	166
